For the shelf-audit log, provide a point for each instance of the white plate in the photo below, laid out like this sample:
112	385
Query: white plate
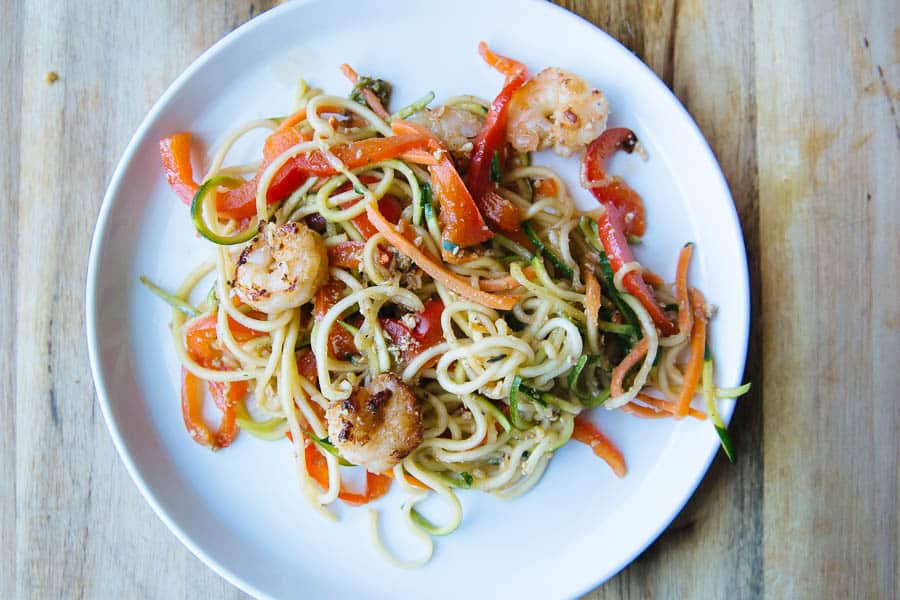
240	510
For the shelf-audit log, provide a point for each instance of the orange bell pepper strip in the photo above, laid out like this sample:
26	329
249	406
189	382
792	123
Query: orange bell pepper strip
461	221
349	255
200	335
377	485
175	152
587	433
227	396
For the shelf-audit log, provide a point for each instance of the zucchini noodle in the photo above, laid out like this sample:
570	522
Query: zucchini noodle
324	325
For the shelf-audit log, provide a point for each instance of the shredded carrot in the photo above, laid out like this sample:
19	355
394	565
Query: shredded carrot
509	282
371	97
419	157
695	361
587	433
435	269
651	278
592	299
350	73
660	408
292	119
631	359
685	320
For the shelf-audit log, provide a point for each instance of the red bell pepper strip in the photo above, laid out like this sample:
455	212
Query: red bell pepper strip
620	200
389	207
614	190
226	396
241	201
340	341
349	255
502	214
175	152
426	333
306	365
201	338
201	341
377	485
611	227
461	222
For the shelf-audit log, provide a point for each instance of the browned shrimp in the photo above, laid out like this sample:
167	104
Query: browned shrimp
556	109
378	426
282	268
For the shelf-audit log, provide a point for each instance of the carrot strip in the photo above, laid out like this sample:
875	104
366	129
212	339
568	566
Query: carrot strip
592	299
434	269
509	282
651	278
371	97
350	73
292	120
419	157
631	359
587	433
695	361
685	320
670	406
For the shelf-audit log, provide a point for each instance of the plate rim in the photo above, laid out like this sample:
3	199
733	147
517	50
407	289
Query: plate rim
100	234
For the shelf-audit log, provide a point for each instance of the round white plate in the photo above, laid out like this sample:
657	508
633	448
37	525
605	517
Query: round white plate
240	510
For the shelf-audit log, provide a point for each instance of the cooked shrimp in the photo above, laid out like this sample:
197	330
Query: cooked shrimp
283	267
455	127
556	109
378	426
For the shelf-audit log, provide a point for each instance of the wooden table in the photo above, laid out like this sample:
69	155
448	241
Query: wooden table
798	100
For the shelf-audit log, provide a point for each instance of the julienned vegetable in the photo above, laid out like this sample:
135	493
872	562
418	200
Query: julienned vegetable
197	212
514	416
241	202
491	139
170	299
695	359
461	222
438	272
408	111
564	269
612	224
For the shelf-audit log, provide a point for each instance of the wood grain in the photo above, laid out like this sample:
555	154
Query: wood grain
799	102
11	83
828	155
